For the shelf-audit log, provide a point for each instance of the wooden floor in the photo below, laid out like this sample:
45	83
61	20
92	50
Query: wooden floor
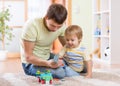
11	66
98	65
14	66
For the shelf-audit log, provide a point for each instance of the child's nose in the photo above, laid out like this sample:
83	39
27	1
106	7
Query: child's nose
70	42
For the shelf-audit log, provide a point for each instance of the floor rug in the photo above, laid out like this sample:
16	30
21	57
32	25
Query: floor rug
100	78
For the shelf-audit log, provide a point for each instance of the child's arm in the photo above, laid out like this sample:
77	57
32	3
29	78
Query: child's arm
89	69
62	53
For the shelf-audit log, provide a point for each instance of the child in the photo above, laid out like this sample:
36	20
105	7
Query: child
72	54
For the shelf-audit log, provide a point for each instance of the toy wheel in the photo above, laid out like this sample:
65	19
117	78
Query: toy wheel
42	82
39	80
50	81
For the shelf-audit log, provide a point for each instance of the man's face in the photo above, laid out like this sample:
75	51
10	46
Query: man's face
52	25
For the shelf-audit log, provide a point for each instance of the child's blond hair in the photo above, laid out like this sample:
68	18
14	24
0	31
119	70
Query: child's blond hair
74	30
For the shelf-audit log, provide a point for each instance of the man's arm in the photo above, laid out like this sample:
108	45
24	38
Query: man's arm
62	40
31	58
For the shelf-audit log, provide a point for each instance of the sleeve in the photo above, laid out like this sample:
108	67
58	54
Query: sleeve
85	54
87	57
29	31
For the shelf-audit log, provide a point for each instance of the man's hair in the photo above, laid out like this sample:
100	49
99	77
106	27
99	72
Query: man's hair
57	12
74	30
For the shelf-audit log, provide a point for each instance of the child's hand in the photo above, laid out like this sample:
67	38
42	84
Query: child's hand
52	64
61	57
60	62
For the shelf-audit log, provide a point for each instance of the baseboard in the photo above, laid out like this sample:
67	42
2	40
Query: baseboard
13	55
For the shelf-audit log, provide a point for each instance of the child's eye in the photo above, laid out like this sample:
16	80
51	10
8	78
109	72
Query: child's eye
72	40
67	40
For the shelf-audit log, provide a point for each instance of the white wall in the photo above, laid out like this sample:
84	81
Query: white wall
115	31
82	15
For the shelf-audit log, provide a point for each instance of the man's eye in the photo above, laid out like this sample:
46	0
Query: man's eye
52	25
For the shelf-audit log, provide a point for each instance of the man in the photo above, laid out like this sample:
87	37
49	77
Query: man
37	38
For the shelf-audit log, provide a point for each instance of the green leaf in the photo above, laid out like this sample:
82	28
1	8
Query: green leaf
5	30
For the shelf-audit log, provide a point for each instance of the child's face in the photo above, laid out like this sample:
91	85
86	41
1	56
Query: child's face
72	41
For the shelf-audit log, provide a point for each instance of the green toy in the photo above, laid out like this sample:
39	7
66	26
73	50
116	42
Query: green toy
45	77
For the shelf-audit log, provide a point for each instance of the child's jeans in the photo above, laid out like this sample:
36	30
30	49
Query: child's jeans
31	69
69	71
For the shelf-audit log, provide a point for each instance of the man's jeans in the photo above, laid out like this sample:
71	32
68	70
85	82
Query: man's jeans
31	69
61	72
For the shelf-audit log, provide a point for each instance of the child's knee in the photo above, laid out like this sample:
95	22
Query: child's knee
60	73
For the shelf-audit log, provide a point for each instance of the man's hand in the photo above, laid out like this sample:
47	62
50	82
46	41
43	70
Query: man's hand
52	64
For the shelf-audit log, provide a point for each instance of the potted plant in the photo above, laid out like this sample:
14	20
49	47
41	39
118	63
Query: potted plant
5	30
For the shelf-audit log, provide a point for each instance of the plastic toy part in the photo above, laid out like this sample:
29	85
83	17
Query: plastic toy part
56	57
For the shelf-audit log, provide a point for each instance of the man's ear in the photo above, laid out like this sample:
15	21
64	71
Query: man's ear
80	40
46	17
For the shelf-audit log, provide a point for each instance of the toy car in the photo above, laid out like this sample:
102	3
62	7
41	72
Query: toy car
45	77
